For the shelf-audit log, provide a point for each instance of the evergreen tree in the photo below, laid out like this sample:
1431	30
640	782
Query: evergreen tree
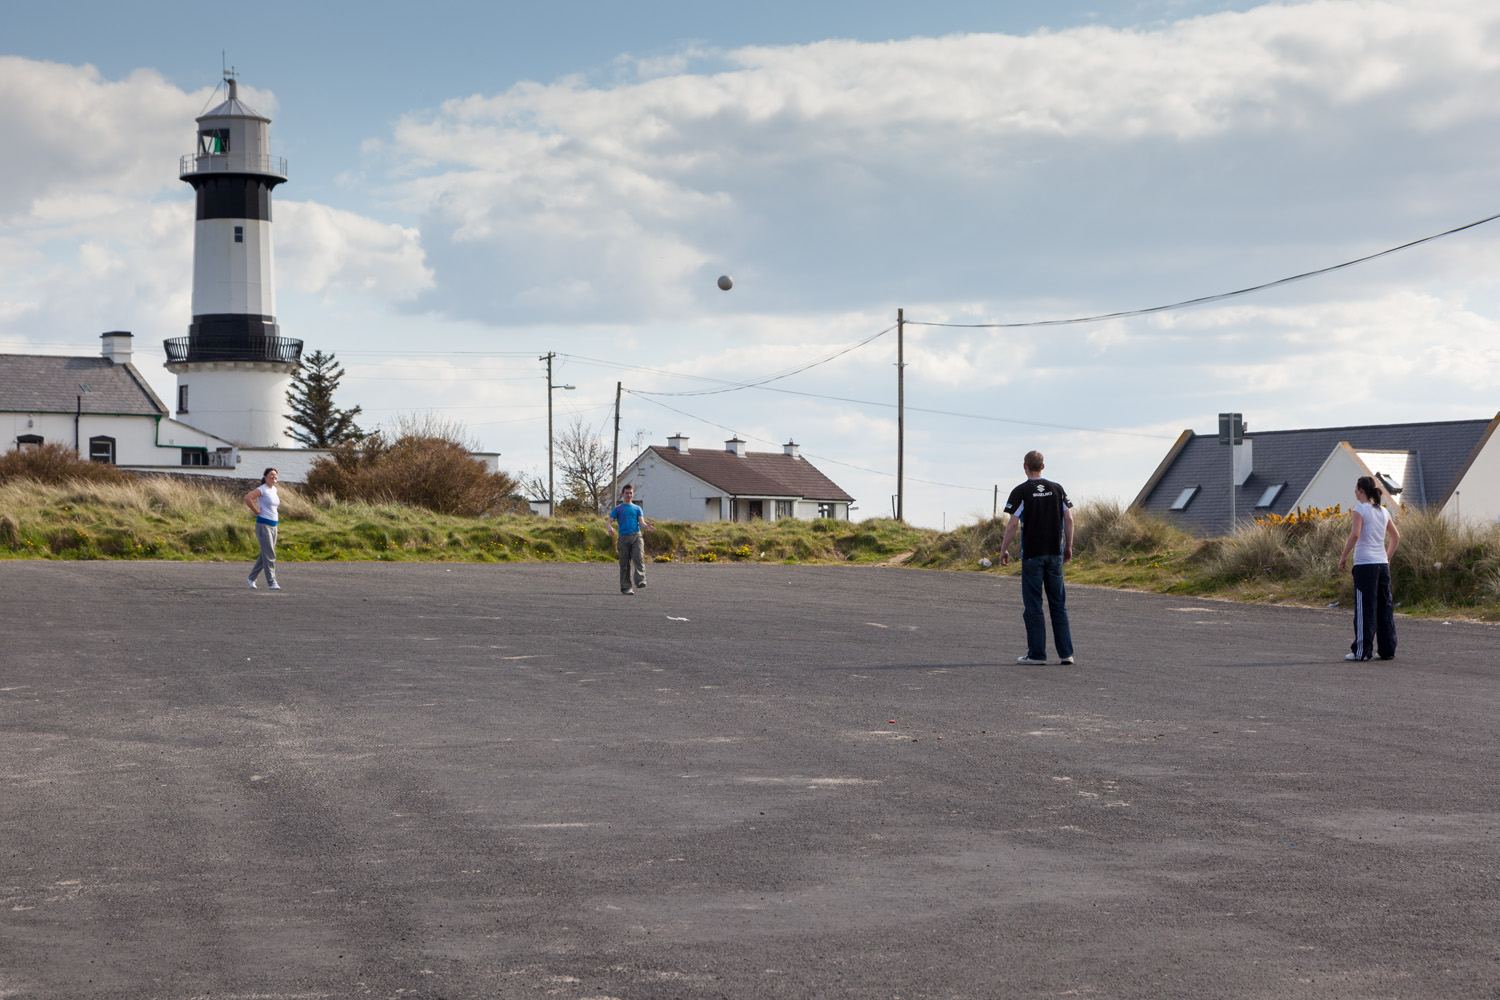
319	423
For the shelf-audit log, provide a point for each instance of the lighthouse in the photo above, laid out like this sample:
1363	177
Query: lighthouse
234	367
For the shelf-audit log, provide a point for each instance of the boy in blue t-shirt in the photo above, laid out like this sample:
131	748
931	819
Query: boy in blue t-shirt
632	550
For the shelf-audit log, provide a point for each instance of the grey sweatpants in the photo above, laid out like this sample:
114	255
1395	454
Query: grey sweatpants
265	534
632	561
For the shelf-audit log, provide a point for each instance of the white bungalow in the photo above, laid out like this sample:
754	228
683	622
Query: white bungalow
676	484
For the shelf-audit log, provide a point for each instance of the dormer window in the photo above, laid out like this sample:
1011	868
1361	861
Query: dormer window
213	141
1184	498
1269	496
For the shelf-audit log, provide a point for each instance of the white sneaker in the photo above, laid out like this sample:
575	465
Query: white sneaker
1067	661
251	581
1028	659
274	586
1351	656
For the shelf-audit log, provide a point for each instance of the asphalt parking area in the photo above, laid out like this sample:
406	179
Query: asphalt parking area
746	782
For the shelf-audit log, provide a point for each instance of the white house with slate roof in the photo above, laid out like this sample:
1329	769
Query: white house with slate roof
676	483
102	407
1451	466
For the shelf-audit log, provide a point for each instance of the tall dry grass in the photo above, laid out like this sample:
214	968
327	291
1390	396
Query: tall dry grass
1108	529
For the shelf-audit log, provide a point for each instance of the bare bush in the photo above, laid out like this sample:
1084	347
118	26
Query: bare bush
55	463
587	467
419	469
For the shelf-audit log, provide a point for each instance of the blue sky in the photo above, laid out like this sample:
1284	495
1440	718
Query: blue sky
472	186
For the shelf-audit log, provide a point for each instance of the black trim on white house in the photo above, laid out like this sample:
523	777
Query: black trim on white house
25	440
102	449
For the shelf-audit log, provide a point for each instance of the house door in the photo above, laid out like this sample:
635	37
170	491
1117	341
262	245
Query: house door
756	513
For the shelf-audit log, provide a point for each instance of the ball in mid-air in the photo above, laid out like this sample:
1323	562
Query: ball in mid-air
726	282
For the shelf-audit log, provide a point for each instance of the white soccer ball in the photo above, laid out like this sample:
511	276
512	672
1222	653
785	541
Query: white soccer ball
726	282
985	562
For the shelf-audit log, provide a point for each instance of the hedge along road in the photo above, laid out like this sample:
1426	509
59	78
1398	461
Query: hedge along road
510	781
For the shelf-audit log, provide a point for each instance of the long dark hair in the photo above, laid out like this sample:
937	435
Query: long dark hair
1370	488
263	475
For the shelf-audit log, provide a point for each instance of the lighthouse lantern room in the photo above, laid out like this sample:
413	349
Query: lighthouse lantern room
234	367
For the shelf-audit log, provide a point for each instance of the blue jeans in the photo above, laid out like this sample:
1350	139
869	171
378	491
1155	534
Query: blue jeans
1037	574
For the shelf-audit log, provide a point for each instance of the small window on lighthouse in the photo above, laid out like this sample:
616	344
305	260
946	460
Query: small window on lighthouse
239	234
212	141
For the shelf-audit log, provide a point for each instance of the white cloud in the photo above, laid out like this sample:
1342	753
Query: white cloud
832	168
322	249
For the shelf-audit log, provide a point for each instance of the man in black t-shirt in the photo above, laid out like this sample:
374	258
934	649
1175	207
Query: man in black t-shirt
1044	514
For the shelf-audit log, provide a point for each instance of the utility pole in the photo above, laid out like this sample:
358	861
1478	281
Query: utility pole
614	476
551	494
900	414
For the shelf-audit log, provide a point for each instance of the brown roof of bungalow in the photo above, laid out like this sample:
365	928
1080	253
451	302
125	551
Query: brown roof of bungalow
759	473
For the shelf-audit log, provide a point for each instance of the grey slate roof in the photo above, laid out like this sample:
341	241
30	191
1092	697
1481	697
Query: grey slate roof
41	383
1294	457
758	474
233	108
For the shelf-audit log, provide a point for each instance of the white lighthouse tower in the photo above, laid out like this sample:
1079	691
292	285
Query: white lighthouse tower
234	367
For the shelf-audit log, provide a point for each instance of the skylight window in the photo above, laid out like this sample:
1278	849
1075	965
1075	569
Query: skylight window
1269	496
1184	498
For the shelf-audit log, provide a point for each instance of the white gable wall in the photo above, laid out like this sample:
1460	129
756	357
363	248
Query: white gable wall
1476	498
1334	483
667	493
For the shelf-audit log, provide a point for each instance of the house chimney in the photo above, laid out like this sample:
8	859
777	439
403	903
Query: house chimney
678	443
736	446
1244	463
790	448
116	346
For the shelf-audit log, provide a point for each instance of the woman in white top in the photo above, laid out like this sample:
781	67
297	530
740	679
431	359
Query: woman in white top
1374	614
263	502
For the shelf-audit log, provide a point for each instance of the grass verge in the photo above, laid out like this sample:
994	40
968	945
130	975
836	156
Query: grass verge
1441	569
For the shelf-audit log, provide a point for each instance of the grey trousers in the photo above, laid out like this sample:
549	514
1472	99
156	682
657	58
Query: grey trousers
265	534
632	561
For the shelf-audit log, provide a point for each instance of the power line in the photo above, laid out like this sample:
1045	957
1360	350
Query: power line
1208	298
821	458
784	373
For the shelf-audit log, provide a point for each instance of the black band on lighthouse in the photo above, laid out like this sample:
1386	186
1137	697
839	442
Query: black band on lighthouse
233	196
233	337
